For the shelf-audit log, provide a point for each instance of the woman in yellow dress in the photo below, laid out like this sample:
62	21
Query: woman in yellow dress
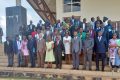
49	58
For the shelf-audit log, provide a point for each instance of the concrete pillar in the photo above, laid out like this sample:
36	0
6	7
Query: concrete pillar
18	2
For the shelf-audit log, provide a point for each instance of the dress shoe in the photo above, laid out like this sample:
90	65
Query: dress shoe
73	68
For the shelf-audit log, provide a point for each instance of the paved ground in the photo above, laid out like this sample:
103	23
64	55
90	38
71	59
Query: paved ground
17	79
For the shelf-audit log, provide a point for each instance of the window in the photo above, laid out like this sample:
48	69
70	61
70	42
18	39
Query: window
71	5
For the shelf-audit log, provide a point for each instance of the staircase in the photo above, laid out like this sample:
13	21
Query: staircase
64	73
3	57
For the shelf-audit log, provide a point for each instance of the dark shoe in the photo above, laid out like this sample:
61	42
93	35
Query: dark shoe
73	68
97	70
77	68
8	66
18	66
83	69
103	70
90	69
56	67
60	68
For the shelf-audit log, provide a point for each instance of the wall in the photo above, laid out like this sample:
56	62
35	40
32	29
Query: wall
92	8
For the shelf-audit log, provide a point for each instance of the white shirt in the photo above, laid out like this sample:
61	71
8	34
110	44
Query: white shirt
18	45
31	26
99	38
105	23
83	26
93	24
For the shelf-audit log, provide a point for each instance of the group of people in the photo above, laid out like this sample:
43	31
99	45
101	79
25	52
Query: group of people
49	43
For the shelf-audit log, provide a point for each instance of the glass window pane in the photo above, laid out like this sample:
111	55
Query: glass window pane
76	7
67	1
75	0
67	8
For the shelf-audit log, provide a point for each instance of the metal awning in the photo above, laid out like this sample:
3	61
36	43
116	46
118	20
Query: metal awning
46	9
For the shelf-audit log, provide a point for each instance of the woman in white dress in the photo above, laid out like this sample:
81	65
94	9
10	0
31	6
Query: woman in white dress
67	44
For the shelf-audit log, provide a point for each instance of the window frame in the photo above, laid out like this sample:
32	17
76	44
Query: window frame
71	6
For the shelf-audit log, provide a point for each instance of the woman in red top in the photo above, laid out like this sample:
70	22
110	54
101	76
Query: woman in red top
34	32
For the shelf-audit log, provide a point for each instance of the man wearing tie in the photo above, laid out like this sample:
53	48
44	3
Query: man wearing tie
8	50
76	50
31	27
100	50
17	50
58	51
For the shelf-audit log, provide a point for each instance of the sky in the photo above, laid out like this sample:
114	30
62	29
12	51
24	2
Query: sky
31	14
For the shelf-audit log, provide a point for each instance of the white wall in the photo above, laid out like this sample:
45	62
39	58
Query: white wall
92	8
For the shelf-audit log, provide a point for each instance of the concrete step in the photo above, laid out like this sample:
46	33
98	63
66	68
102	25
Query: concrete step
64	66
35	72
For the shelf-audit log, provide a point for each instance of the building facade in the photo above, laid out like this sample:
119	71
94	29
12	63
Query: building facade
88	9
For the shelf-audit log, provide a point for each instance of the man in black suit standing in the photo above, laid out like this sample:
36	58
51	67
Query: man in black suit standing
31	27
100	49
8	50
31	43
58	51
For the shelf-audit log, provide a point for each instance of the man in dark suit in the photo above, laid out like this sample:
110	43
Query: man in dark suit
72	21
84	25
39	25
8	50
100	49
97	29
58	51
48	33
30	45
17	50
104	30
76	50
98	20
31	27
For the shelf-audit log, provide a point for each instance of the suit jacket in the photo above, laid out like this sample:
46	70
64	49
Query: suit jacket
88	44
104	32
31	30
96	32
41	45
30	45
72	22
46	36
101	46
76	45
58	47
8	48
92	34
15	46
1	32
86	27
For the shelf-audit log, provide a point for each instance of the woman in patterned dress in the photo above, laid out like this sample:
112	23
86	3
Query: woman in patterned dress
112	50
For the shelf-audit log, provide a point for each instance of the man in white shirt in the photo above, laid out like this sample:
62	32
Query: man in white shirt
92	22
17	50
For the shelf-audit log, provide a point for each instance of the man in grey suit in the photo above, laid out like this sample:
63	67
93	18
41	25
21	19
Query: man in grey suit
76	50
88	45
40	50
